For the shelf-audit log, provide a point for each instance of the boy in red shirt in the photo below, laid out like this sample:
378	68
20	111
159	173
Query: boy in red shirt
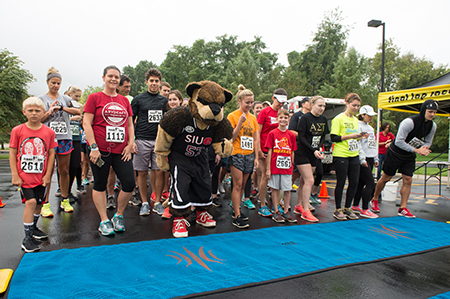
31	158
281	144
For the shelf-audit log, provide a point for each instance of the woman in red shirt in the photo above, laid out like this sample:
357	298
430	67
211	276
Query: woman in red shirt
385	139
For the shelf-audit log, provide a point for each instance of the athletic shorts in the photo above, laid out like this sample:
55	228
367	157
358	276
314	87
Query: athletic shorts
224	162
84	148
37	192
244	163
281	182
394	162
145	155
65	147
302	158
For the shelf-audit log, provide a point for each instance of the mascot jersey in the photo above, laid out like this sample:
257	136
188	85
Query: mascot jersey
189	167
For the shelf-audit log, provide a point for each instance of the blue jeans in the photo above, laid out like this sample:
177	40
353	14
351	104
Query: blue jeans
380	164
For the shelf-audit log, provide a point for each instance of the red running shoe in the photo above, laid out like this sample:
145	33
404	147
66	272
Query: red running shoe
405	212
153	196
179	227
166	213
205	219
298	210
165	195
375	206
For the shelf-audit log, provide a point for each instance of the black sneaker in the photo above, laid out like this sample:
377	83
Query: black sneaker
240	222
277	217
38	234
110	203
72	198
216	202
134	200
288	218
244	217
30	245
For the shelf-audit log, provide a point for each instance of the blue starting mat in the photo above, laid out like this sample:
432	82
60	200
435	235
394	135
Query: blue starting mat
177	267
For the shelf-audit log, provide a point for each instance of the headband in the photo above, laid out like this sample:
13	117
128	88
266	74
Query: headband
51	75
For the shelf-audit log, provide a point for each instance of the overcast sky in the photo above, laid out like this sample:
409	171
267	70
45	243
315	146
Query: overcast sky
81	37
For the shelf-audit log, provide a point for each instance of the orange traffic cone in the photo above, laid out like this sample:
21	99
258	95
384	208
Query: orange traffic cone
1	204
324	191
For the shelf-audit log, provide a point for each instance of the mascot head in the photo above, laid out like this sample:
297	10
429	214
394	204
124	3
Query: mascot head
206	100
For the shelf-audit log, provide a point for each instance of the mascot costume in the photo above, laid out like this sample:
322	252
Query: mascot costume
184	135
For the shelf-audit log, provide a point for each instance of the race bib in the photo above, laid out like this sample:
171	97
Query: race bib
247	143
283	162
115	134
32	164
371	142
75	129
352	145
59	127
416	143
154	116
315	141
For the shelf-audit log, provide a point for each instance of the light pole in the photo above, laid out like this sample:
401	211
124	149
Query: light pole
377	23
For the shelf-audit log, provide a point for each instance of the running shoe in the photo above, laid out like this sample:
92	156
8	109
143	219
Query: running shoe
179	227
91	180
405	212
308	216
81	189
294	186
117	185
375	206
288	217
106	228
72	198
85	182
158	208
30	245
153	196
110	202
228	180
368	214
315	198
145	209
205	219
248	204
280	208
38	234
65	205
221	188
298	209
277	217
339	214
264	211
311	208
240	223
350	214
118	223
46	211
216	202
240	213
134	201
165	195
254	194
357	210
58	193
166	214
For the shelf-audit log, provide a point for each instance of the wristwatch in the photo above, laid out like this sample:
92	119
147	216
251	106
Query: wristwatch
93	147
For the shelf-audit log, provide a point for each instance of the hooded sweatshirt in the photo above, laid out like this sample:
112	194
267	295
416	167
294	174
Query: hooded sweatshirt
414	132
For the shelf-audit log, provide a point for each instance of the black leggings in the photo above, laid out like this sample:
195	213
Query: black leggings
319	173
365	179
124	171
75	165
346	167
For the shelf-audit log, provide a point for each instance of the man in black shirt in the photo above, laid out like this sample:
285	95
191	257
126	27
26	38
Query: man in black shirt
148	108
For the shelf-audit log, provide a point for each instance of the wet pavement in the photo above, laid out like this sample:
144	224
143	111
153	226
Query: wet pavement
415	276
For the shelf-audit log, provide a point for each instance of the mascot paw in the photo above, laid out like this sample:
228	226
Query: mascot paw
162	163
223	148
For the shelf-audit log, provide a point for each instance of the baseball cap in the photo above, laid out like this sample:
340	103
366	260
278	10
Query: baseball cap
366	109
281	98
268	103
305	99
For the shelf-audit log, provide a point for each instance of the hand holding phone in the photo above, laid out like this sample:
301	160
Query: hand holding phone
100	162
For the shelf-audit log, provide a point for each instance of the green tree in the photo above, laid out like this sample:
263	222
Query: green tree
137	76
90	90
352	74
14	82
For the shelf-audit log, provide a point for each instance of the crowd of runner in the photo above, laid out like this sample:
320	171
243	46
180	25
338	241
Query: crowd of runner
113	136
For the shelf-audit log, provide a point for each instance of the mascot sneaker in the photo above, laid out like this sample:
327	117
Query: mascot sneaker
179	227
205	219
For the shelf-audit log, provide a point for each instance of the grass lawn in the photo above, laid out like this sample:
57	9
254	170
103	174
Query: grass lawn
431	170
4	157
